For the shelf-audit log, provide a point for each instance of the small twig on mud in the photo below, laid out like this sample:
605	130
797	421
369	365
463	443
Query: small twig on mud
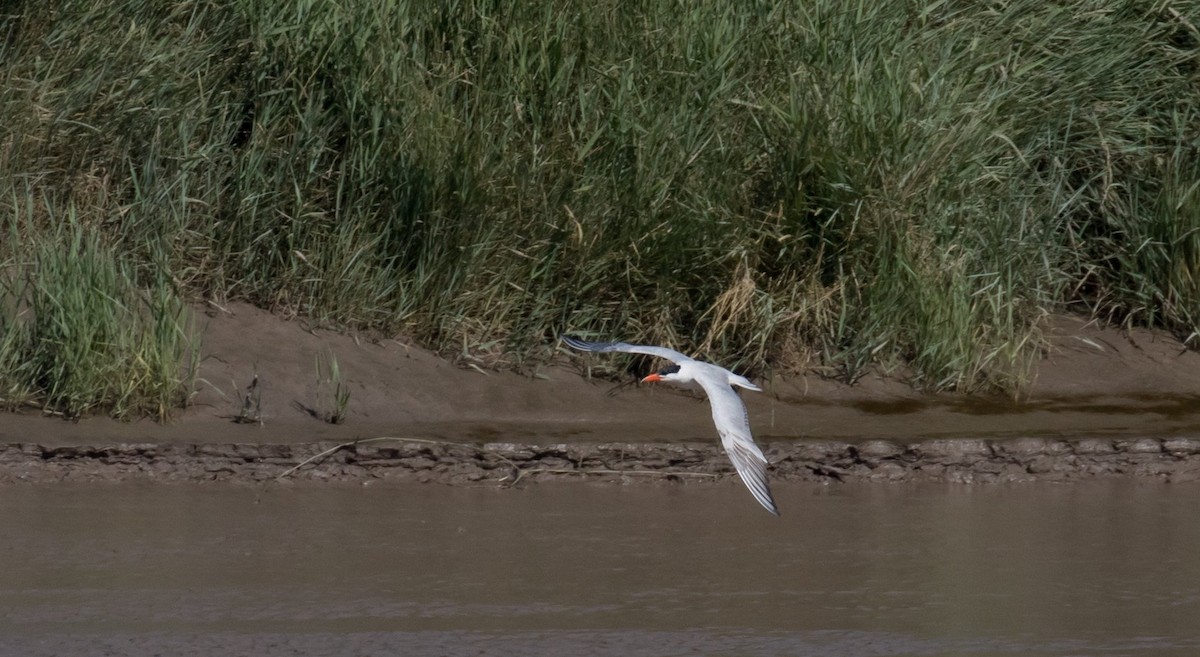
336	448
223	309
314	458
826	470
339	447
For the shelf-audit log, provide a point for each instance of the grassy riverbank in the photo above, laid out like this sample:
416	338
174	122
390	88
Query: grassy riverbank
773	184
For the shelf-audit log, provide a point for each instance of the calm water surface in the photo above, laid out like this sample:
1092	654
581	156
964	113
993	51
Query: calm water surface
1102	568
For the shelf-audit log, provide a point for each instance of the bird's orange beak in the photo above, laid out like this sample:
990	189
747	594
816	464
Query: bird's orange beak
652	378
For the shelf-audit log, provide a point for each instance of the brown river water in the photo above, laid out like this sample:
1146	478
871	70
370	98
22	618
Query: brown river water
1105	568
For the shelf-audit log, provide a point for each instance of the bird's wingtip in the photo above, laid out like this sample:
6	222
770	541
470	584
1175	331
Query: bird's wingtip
571	341
768	503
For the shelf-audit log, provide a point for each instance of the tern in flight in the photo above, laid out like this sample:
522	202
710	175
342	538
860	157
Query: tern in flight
729	413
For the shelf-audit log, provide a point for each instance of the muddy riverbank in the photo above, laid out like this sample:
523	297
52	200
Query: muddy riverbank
1105	402
505	464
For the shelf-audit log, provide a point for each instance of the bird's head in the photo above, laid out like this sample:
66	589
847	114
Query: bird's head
671	373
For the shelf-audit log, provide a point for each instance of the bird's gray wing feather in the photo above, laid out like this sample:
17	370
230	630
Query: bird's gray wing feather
733	424
603	347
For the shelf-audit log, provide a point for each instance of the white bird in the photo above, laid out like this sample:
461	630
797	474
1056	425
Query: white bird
729	413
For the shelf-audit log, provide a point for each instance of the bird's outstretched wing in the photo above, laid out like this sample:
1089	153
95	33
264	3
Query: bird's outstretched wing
729	413
602	347
733	424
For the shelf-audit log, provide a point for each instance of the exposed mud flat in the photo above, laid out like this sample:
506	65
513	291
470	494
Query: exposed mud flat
1105	402
938	460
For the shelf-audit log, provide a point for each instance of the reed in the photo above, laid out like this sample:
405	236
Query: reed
81	334
775	185
333	393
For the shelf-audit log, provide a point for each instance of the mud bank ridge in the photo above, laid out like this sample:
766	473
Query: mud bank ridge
938	460
1105	402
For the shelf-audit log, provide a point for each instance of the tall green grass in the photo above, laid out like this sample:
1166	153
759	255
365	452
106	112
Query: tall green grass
81	334
773	184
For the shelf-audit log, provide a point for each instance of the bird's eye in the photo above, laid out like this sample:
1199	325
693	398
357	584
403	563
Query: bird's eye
670	370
